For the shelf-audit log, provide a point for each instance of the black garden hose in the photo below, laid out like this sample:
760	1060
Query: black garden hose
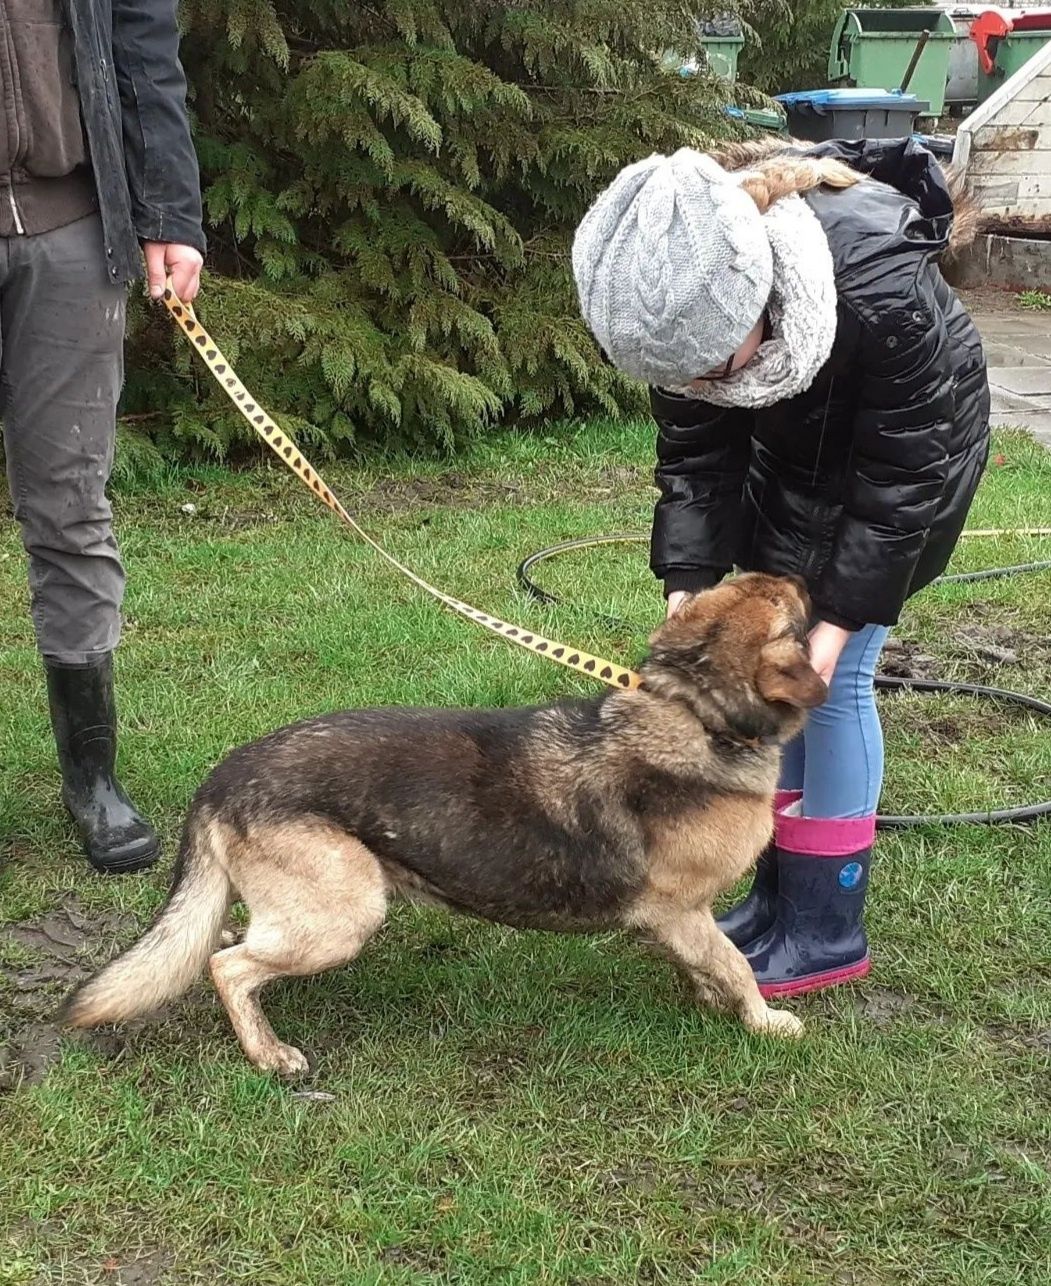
995	816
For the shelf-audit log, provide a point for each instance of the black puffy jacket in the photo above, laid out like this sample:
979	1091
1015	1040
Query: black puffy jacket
862	483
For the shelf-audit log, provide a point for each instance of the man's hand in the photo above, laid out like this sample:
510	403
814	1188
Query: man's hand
182	263
826	643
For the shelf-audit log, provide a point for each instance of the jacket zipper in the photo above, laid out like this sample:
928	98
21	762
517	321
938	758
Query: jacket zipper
817	553
15	213
18	140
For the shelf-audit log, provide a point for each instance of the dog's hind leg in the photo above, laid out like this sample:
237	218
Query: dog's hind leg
314	897
720	974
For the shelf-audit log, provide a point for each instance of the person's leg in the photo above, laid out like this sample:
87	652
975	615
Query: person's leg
824	842
61	371
843	772
793	766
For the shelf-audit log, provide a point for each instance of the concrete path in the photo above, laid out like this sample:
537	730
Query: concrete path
1018	349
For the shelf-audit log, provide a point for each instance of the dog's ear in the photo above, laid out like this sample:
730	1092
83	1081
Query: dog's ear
785	674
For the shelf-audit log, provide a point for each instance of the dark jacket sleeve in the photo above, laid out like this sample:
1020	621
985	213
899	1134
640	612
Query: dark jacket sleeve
161	164
702	460
899	464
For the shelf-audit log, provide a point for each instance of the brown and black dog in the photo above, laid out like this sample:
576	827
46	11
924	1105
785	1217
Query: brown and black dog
632	809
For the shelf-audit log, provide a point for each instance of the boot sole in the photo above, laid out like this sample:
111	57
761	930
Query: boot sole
815	981
124	865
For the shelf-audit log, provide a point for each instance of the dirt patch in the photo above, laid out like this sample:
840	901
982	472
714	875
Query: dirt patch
639	1176
1004	1034
989	645
230	519
27	1058
1000	644
774	1196
66	945
944	732
409	1257
145	1271
995	646
992	303
977	722
501	1063
146	1268
903	659
882	1007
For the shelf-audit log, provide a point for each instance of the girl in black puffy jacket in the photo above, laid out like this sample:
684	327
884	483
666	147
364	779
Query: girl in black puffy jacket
822	409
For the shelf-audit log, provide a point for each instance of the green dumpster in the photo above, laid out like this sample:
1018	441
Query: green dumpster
1006	41
873	49
760	118
719	44
721	54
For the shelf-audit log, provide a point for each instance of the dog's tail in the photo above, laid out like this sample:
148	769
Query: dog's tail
172	952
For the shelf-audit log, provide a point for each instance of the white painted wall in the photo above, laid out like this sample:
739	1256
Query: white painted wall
1004	148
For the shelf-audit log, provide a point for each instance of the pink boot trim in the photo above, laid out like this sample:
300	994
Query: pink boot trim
816	981
825	836
782	798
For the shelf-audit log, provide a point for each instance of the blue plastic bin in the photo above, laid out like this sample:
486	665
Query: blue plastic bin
820	114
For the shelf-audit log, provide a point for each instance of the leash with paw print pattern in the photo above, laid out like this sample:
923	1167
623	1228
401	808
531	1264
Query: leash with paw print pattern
281	444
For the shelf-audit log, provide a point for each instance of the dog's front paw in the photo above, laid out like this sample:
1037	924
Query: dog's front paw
779	1023
285	1060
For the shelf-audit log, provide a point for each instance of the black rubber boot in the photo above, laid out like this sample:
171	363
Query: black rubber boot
818	937
116	838
751	918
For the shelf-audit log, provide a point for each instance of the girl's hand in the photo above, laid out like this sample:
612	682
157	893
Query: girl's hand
675	600
826	643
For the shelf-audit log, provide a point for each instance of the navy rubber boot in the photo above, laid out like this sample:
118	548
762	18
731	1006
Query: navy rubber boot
756	912
116	837
818	938
752	916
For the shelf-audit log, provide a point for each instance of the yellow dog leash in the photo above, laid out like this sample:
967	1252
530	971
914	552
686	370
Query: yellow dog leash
282	445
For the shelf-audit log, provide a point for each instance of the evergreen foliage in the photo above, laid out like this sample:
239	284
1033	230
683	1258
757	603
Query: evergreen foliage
390	193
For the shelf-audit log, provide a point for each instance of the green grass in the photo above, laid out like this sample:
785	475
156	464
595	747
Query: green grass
1036	300
520	1108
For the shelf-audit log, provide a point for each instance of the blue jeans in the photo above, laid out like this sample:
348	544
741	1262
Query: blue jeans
837	760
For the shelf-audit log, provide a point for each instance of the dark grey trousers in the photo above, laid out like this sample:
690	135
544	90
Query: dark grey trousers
61	369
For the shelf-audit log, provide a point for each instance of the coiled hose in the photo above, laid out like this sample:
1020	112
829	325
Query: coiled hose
992	817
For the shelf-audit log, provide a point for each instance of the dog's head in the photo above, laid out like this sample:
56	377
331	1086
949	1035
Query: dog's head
738	656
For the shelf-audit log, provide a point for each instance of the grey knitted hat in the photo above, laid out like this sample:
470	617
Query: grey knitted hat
673	268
